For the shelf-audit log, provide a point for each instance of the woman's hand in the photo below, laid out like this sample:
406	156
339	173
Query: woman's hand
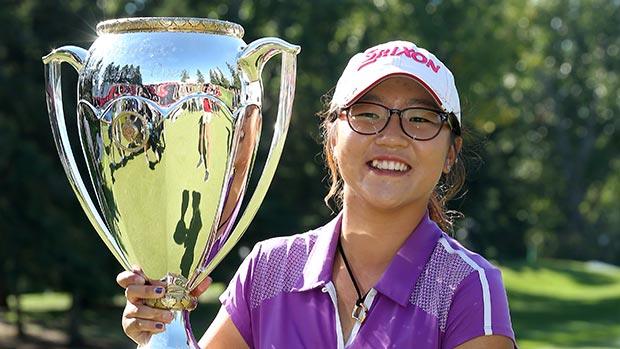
140	321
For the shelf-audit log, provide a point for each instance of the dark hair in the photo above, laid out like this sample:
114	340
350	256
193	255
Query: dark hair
446	189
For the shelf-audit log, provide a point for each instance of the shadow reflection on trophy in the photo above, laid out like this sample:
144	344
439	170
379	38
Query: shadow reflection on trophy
186	234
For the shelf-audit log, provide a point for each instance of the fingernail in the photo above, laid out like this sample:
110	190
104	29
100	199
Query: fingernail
168	316
159	290
159	326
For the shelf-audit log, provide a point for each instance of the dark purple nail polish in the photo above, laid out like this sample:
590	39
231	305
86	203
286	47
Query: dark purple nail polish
159	326
159	290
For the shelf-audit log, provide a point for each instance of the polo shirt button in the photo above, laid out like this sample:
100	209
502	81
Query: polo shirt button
324	289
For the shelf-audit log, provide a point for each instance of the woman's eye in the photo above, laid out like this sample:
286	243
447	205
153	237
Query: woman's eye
367	115
419	119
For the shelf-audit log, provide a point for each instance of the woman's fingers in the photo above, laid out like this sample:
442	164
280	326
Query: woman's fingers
141	330
134	277
137	293
137	286
135	326
137	311
202	287
141	321
127	278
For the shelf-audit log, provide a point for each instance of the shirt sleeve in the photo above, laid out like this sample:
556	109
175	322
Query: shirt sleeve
479	307
236	297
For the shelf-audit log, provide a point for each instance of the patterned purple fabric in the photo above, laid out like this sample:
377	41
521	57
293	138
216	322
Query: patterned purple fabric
434	294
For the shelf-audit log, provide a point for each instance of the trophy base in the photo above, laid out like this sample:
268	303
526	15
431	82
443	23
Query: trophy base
178	334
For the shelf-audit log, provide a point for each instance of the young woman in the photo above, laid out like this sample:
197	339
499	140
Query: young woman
382	274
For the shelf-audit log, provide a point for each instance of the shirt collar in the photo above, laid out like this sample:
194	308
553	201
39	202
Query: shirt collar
410	260
320	263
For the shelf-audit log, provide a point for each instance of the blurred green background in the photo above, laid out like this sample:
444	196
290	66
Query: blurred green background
540	90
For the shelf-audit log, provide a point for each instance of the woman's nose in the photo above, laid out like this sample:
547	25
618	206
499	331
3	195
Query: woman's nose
393	133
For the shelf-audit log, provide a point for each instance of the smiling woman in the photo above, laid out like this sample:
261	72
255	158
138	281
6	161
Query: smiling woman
422	119
382	273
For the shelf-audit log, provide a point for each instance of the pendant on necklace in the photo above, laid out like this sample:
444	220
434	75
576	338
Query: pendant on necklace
360	309
359	312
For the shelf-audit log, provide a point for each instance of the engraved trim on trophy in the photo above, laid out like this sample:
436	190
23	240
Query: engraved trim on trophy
170	24
130	131
177	297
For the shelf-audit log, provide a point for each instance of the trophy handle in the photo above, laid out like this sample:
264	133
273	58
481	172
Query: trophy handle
75	56
251	61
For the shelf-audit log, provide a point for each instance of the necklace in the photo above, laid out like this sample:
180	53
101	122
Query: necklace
359	310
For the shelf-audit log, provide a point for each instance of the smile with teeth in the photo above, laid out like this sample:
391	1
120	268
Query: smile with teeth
389	165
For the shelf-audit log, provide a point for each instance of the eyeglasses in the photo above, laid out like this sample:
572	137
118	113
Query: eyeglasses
419	123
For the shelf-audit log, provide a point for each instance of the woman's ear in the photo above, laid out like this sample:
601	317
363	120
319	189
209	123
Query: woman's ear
453	154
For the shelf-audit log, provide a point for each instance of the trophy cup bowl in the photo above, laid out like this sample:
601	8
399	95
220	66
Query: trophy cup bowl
169	121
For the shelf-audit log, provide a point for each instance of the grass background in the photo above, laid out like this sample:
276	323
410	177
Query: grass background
564	304
554	305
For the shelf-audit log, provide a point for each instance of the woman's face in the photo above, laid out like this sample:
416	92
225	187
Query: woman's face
390	170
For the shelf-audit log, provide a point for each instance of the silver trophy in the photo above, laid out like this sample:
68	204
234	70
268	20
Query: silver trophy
169	119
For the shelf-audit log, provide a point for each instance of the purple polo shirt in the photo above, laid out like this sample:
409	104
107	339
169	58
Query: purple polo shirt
434	294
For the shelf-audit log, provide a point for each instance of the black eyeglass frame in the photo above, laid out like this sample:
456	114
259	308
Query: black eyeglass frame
446	118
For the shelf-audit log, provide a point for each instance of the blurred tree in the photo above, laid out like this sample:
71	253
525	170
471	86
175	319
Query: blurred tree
45	241
557	157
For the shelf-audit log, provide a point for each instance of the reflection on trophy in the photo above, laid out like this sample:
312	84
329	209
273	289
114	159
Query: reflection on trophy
169	119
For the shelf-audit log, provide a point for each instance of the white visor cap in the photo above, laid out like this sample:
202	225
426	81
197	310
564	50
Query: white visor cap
397	58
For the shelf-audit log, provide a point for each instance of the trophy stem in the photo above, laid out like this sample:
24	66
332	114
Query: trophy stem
178	334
